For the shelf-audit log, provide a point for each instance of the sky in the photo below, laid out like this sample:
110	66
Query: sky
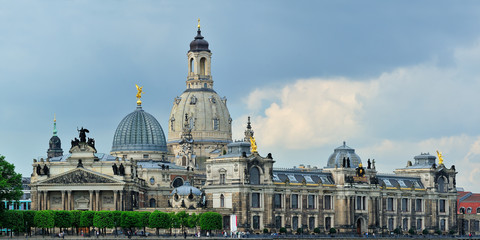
391	78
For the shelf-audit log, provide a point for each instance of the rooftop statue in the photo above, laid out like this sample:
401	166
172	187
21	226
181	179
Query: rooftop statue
253	144
82	134
440	158
139	93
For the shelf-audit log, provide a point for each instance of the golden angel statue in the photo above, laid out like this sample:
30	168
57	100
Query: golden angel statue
139	93
440	158
253	144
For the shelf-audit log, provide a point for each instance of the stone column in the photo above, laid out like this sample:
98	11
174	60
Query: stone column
121	201
63	201
115	199
97	201
91	200
69	201
45	206
39	200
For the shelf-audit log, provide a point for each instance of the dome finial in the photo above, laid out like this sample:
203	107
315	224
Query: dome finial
198	26
139	94
54	125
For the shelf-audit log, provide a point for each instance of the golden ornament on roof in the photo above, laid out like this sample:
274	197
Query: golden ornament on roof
253	144
440	158
139	94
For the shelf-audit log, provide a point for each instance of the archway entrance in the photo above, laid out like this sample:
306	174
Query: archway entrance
359	226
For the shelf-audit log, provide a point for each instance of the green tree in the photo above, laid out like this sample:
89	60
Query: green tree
412	231
63	219
193	220
183	219
76	216
10	182
129	220
143	218
316	230
103	220
333	231
29	220
425	232
117	220
14	220
210	221
283	230
86	219
159	220
174	221
44	219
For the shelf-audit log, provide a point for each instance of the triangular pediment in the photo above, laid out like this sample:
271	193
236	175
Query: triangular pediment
80	176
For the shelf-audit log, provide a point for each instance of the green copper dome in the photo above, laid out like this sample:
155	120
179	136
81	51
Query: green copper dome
139	131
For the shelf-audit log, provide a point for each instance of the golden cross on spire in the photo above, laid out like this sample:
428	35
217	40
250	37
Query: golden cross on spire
198	23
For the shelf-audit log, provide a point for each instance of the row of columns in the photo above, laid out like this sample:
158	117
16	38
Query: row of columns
43	200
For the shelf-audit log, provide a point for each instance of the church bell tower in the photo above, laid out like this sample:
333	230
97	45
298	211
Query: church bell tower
199	63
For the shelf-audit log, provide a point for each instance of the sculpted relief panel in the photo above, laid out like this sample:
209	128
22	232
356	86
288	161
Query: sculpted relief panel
80	177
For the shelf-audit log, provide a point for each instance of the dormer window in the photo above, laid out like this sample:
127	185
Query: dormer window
216	124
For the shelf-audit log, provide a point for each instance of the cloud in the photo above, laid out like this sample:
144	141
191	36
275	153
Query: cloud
391	117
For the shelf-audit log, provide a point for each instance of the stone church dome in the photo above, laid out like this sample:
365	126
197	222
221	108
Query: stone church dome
139	131
344	151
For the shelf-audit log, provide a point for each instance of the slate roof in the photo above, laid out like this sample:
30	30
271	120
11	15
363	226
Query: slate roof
395	181
299	175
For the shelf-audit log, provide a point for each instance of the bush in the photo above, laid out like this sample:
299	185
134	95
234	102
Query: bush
397	230
316	230
452	232
299	230
412	231
438	232
283	230
333	230
265	230
425	232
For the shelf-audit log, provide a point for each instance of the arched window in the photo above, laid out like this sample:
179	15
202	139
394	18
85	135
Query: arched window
184	161
222	200
153	203
254	176
192	66
177	182
478	210
462	210
469	210
441	185
202	66
405	224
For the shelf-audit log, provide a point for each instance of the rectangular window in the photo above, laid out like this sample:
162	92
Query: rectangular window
311	223
311	201
418	205
255	200
442	206
278	222
390	224
256	222
359	203
222	178
328	223
405	224
327	202
295	223
294	201
476	226
404	204
442	225
216	124
145	155
419	224
277	200
389	204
